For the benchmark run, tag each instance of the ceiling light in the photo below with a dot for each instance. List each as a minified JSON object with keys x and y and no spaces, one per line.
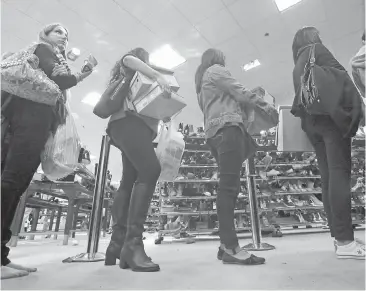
{"x":166,"y":57}
{"x":284,"y":4}
{"x":92,"y":98}
{"x":251,"y":65}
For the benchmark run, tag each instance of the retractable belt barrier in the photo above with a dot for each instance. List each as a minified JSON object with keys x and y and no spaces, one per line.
{"x":257,"y":244}
{"x":92,"y":254}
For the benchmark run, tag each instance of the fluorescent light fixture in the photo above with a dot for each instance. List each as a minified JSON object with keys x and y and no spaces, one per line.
{"x":284,"y":4}
{"x":166,"y":57}
{"x":92,"y":98}
{"x":251,"y":65}
{"x":92,"y":157}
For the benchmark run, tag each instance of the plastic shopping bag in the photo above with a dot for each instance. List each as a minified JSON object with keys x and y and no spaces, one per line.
{"x":60,"y":155}
{"x":169,"y":152}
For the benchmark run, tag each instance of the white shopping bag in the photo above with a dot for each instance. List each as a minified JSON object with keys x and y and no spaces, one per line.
{"x":61,"y":153}
{"x":169,"y":152}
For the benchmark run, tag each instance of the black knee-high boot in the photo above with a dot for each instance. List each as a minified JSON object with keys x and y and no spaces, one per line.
{"x":120,"y":208}
{"x":133,"y":253}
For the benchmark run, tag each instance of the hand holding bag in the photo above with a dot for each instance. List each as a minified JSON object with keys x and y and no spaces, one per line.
{"x":20,"y":76}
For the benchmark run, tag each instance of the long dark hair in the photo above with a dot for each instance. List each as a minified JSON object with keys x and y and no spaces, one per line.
{"x":119,"y":69}
{"x":209,"y":58}
{"x":305,"y":36}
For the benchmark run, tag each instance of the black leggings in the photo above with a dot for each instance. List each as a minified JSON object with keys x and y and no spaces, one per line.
{"x":134,"y":138}
{"x":30,"y":125}
{"x":333,"y":152}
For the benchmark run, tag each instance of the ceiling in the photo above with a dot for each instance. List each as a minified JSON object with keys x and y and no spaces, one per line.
{"x":109,"y":28}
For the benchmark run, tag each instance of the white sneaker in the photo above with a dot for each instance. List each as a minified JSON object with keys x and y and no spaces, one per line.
{"x":354,"y":250}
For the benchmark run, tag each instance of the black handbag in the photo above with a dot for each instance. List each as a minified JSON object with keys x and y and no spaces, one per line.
{"x":314,"y":81}
{"x":113,"y":97}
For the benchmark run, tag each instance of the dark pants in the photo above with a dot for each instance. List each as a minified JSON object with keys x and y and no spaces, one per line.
{"x":230,"y":149}
{"x":334,"y":158}
{"x":140,"y":163}
{"x":30,"y":125}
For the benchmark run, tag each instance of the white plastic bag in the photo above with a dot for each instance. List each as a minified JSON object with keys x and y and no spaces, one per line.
{"x":61,"y":153}
{"x":169,"y":152}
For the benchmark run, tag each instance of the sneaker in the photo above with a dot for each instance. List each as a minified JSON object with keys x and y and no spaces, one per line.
{"x":288,"y":201}
{"x":354,"y":250}
{"x":360,"y":241}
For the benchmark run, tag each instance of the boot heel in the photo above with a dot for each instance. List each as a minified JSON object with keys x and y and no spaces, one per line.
{"x":110,"y":259}
{"x":123,"y":265}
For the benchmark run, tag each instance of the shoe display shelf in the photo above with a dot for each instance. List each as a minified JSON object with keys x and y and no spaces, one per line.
{"x":187,"y":206}
{"x":288,"y":188}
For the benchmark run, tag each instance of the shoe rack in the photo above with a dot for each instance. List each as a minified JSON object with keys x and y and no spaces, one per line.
{"x":288,"y":188}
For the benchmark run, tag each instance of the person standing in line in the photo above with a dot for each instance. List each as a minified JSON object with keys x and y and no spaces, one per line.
{"x":219,"y":96}
{"x":30,"y":125}
{"x":133,"y":134}
{"x":331,"y":140}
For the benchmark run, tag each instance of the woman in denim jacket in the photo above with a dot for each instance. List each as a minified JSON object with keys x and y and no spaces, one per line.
{"x":219,"y":96}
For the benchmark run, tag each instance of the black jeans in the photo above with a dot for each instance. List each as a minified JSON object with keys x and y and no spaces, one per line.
{"x":334,"y":158}
{"x":140,"y":163}
{"x":30,"y":125}
{"x":230,"y":149}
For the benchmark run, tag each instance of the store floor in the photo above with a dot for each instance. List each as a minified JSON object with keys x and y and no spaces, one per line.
{"x":298,"y":262}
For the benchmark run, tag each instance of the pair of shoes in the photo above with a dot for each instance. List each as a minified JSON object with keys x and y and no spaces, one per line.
{"x":133,"y":252}
{"x":354,"y":250}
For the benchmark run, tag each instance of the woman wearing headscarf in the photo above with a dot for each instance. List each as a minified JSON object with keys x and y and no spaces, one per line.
{"x":330,"y":133}
{"x":30,"y":125}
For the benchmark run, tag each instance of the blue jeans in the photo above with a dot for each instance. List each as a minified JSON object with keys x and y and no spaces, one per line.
{"x":333,"y":152}
{"x":231,"y":148}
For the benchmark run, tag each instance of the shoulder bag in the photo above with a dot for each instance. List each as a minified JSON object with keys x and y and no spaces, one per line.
{"x":21,"y":76}
{"x":113,"y":97}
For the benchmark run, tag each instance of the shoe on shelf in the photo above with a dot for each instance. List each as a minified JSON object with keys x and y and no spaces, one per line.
{"x":300,"y":218}
{"x":288,"y":201}
{"x":315,"y":201}
{"x":354,"y":250}
{"x":273,"y":173}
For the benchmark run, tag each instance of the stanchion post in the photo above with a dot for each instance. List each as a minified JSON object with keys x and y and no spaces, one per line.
{"x":257,"y":244}
{"x":92,"y":254}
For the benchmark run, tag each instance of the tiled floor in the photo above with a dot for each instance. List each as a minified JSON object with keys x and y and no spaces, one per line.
{"x":298,"y":262}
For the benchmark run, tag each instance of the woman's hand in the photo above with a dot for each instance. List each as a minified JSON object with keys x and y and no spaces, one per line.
{"x":166,"y":120}
{"x":81,"y":76}
{"x":59,"y":70}
{"x":163,"y":83}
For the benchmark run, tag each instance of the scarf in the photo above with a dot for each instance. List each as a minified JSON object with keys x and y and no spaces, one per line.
{"x":358,"y":70}
{"x":60,"y":108}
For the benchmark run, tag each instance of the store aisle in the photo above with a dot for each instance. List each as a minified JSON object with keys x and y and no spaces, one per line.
{"x":299,"y":262}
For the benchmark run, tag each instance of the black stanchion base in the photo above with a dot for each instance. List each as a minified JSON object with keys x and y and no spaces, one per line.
{"x":258,"y":247}
{"x":85,"y":258}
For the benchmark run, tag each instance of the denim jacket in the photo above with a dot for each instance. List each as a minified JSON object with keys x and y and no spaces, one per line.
{"x":220,"y":99}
